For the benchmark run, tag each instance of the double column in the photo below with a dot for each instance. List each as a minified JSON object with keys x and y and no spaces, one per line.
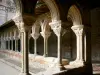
{"x":78,"y":30}
{"x":35,"y":35}
{"x":24,"y":48}
{"x":24,"y":23}
{"x":56,"y":26}
{"x":45,"y":35}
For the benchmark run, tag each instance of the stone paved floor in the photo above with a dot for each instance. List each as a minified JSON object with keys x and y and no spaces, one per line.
{"x":17,"y":65}
{"x":34,"y":69}
{"x":7,"y":70}
{"x":96,"y":68}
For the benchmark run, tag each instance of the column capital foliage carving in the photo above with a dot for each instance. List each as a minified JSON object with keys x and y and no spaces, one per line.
{"x":56,"y":26}
{"x":35,"y":35}
{"x":45,"y":34}
{"x":23,"y":23}
{"x":78,"y":29}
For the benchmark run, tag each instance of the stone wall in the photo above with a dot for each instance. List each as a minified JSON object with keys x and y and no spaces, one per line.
{"x":95,"y":33}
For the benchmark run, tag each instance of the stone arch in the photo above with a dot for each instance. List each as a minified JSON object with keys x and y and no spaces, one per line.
{"x":53,"y":9}
{"x":51,"y":4}
{"x":75,"y":15}
{"x":36,"y":27}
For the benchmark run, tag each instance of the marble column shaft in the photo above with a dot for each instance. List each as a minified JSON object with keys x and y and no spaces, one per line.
{"x":56,"y":26}
{"x":78,"y":30}
{"x":35,"y":35}
{"x":24,"y":48}
{"x":45,"y":35}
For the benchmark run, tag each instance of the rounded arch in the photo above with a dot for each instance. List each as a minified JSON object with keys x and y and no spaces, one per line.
{"x":51,"y":4}
{"x":75,"y":15}
{"x":37,"y":25}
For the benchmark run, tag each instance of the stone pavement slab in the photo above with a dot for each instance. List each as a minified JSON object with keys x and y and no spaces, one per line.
{"x":7,"y":70}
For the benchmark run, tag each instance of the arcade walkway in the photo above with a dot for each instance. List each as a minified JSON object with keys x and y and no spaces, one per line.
{"x":6,"y":69}
{"x":16,"y":65}
{"x":13,"y":67}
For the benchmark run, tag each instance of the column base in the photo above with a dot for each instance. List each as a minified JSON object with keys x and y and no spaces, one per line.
{"x":77,"y":63}
{"x":45,"y":55}
{"x":58,"y":69}
{"x":24,"y":74}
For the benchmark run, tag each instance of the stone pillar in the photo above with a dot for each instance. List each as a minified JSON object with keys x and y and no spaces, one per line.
{"x":35,"y":36}
{"x":24,"y":48}
{"x":45,"y":36}
{"x":15,"y":44}
{"x":8,"y":43}
{"x":56,"y":26}
{"x":12,"y":43}
{"x":78,"y":30}
{"x":24,"y":23}
{"x":2,"y":43}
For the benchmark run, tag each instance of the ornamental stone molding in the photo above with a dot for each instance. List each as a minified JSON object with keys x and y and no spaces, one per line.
{"x":56,"y":26}
{"x":78,"y":29}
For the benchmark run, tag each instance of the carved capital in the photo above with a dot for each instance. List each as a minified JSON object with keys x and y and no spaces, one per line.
{"x":35,"y":35}
{"x":35,"y":28}
{"x":45,"y":34}
{"x":18,"y":19}
{"x":78,"y":29}
{"x":22,"y":26}
{"x":56,"y":26}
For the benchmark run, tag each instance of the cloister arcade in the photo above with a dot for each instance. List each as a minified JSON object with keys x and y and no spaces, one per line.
{"x":51,"y":32}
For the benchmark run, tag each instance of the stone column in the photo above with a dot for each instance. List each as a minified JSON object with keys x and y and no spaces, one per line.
{"x":24,"y":48}
{"x":2,"y":43}
{"x":8,"y":43}
{"x":78,"y":30}
{"x":12,"y":43}
{"x":24,"y":23}
{"x":35,"y":36}
{"x":56,"y":26}
{"x":15,"y":44}
{"x":45,"y":36}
